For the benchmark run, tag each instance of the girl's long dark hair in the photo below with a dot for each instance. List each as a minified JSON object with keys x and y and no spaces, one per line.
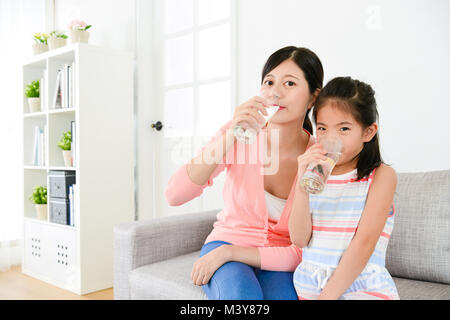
{"x":306,"y":60}
{"x":358,"y":98}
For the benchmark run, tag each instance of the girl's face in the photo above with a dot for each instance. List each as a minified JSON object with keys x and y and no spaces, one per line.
{"x":288,"y":83}
{"x":333,"y":120}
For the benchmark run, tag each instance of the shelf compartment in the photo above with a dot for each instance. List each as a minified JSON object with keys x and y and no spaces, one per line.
{"x":29,"y":133}
{"x":32,"y":178}
{"x":59,"y":122}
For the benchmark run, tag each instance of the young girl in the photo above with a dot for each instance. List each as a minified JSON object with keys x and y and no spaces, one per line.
{"x":344,"y":231}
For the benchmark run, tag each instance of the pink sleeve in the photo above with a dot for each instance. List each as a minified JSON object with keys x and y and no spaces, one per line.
{"x":180,"y":188}
{"x":280,"y":258}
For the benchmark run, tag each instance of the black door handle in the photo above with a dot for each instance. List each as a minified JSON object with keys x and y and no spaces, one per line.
{"x":158,"y":126}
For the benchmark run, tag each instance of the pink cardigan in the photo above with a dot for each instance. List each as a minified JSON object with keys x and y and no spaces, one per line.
{"x":244,"y":220}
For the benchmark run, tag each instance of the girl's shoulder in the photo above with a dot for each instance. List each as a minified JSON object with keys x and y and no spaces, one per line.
{"x":384,"y":176}
{"x":385,"y":172}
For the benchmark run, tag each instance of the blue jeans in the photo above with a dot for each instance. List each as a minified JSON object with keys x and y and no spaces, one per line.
{"x":239,"y":281}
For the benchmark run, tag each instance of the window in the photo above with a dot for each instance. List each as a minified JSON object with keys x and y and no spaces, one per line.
{"x":196,"y":40}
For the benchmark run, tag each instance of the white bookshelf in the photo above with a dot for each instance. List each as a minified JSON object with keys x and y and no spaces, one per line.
{"x":79,"y":258}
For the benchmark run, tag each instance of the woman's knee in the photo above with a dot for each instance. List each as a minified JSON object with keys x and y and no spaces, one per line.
{"x":234,"y":281}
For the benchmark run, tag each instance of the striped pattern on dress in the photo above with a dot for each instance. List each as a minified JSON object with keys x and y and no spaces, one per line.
{"x":336,"y":213}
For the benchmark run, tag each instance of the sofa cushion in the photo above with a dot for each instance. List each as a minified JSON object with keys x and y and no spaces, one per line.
{"x":166,"y":280}
{"x":419,"y":247}
{"x":421,"y":290}
{"x":170,"y":280}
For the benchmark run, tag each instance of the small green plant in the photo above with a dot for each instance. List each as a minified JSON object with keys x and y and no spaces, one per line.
{"x":58,"y":34}
{"x":65,"y":141}
{"x":39,"y":195}
{"x":32,"y":89}
{"x":40,"y":37}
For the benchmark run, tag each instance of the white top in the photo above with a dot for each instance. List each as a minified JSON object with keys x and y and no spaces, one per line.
{"x":275,"y":205}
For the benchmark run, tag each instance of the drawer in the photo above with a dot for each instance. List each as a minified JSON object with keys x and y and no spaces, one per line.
{"x":51,"y":251}
{"x":35,"y":245}
{"x":62,"y":246}
{"x":59,"y":183}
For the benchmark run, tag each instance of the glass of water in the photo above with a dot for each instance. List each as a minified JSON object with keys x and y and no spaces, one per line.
{"x":316,"y":174}
{"x":246,"y":133}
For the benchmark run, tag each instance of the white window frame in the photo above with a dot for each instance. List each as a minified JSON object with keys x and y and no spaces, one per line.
{"x":196,"y":83}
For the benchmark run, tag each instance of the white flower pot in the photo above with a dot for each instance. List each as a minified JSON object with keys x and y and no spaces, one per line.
{"x":67,"y":154}
{"x":55,"y":42}
{"x":41,"y":211}
{"x":39,"y":48}
{"x":34,"y":104}
{"x":79,"y":36}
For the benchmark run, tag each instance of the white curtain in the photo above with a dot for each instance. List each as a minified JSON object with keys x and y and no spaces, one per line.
{"x":19,"y":20}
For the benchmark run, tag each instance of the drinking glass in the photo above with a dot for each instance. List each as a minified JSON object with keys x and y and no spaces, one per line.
{"x":316,"y":174}
{"x":246,"y":133}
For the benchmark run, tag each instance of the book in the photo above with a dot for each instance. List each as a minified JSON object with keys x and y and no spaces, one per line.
{"x":73,"y":144}
{"x":71,"y":205}
{"x":41,"y":147}
{"x":57,"y":101}
{"x":41,"y":93}
{"x":34,"y":160}
{"x":73,"y":85}
{"x":69,"y":86}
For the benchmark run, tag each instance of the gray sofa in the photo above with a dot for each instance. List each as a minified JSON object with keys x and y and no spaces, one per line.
{"x":153,"y":259}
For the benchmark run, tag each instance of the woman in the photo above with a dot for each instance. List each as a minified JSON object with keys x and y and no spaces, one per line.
{"x":249,"y":254}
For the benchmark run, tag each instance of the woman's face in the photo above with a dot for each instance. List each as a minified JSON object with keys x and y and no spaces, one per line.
{"x":288,"y":82}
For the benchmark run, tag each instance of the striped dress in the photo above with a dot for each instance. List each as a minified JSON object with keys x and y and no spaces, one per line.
{"x":336,"y":213}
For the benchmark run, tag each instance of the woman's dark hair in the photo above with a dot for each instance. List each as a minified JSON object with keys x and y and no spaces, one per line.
{"x":358,"y":98}
{"x":305,"y":60}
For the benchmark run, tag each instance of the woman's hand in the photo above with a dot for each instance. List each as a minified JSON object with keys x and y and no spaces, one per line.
{"x":204,"y":268}
{"x":316,"y":153}
{"x":248,"y":112}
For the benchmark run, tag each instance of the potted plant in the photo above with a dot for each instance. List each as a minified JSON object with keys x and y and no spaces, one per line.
{"x":78,"y":31}
{"x":39,"y":198}
{"x":32,"y":93}
{"x":56,"y":40}
{"x":65,"y":144}
{"x":40,"y":44}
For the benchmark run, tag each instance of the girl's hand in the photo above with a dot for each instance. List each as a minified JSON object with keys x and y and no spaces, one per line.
{"x":248,"y":112}
{"x":316,"y":153}
{"x":204,"y":268}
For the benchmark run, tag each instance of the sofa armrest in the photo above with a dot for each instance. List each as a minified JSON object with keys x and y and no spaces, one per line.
{"x":144,"y":242}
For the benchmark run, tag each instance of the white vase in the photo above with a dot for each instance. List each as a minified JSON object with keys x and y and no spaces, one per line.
{"x":67,"y":154}
{"x":79,"y":36}
{"x":55,"y":42}
{"x":41,"y":211}
{"x":39,"y":48}
{"x":34,"y":104}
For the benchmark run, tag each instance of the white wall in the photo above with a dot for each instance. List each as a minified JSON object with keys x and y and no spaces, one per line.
{"x":113,"y":23}
{"x":401,"y":48}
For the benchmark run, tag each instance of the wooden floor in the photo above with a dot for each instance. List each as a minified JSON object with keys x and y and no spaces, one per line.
{"x":14,"y":285}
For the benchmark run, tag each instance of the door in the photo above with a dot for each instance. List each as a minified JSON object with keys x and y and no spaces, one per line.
{"x":185,"y":58}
